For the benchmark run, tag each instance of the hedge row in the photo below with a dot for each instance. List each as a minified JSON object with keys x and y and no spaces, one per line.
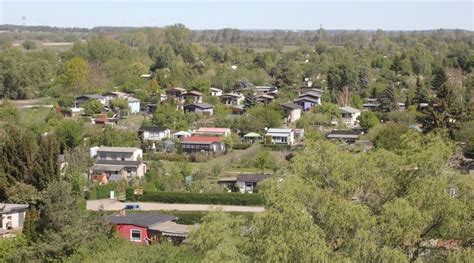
{"x":241,"y":146}
{"x":200,"y":198}
{"x":283,"y":147}
{"x":101,"y":191}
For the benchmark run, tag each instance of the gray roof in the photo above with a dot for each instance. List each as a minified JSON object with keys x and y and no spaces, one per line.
{"x":117,"y":149}
{"x":140,"y":219}
{"x":132,"y":99}
{"x":10,"y":208}
{"x":279,"y":130}
{"x":92,"y":96}
{"x":348,"y":109}
{"x":170,"y":228}
{"x":252,"y":178}
{"x":306,"y":98}
{"x":119,"y":162}
{"x":312,"y":93}
{"x":234,"y":95}
{"x":152,"y":128}
{"x":200,"y":105}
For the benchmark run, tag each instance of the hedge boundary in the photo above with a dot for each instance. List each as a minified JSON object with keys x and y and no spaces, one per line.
{"x":199,"y":198}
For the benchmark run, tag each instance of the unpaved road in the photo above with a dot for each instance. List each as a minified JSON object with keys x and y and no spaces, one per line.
{"x":114,"y":205}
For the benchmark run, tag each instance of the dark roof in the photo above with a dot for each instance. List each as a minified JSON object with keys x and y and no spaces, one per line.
{"x":193,"y":93}
{"x":200,"y":105}
{"x":152,"y":128}
{"x":346,"y":132}
{"x":291,"y":105}
{"x":91,"y":96}
{"x":312,"y":93}
{"x":140,"y":219}
{"x":307,"y":98}
{"x":118,"y":162}
{"x":252,"y":177}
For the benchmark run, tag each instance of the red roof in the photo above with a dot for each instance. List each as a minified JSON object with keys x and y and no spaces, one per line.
{"x":201,"y":139}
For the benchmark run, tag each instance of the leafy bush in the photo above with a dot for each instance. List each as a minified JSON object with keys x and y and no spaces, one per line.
{"x":172,"y":157}
{"x":241,"y":146}
{"x":92,"y":107}
{"x":119,"y":103}
{"x":200,"y":157}
{"x":201,"y":198}
{"x":101,"y":191}
{"x":278,"y":147}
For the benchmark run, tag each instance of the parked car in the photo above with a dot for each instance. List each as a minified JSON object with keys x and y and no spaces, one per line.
{"x":132,"y":207}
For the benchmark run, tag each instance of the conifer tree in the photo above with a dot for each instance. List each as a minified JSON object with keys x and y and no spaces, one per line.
{"x":388,"y":101}
{"x":250,"y":101}
{"x":46,"y":165}
{"x":18,"y":154}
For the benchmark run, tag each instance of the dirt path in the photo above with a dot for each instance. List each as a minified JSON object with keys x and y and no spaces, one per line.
{"x":114,"y":205}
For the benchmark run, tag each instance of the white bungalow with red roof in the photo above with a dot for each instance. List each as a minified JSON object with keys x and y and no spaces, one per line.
{"x":210,"y":131}
{"x":206,"y":144}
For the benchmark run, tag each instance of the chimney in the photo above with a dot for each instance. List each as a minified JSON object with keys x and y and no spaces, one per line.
{"x":122,"y":212}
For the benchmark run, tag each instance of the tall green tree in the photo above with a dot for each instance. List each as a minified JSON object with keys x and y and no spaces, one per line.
{"x":178,"y":36}
{"x":64,"y":225}
{"x":74,"y":76}
{"x":163,"y":56}
{"x":18,"y":155}
{"x":69,"y":134}
{"x":250,"y":100}
{"x":388,"y":102}
{"x":166,"y":115}
{"x":47,"y":161}
{"x":368,"y":120}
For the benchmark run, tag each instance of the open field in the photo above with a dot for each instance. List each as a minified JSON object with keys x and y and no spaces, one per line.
{"x":285,"y":49}
{"x":53,"y":46}
{"x":222,"y":161}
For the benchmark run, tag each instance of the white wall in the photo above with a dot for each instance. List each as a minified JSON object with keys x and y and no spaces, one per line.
{"x":134,"y":106}
{"x":17,"y":219}
{"x":156,"y":136}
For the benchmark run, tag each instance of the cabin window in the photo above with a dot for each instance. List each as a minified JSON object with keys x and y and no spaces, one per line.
{"x":136,"y":235}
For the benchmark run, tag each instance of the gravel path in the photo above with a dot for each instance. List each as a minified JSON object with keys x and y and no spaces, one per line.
{"x":114,"y":205}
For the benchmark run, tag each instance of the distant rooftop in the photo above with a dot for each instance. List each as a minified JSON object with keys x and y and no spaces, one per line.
{"x":202,"y":139}
{"x":349,"y":109}
{"x":140,"y":219}
{"x":117,"y":149}
{"x":9,"y":208}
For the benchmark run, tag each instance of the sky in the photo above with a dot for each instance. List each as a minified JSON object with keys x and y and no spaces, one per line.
{"x":245,"y":14}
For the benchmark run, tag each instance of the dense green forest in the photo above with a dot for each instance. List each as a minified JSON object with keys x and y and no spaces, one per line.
{"x":325,"y":203}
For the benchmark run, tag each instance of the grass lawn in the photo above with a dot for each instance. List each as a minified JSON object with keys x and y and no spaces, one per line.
{"x":33,"y":116}
{"x":30,"y":116}
{"x":134,"y":121}
{"x":223,"y":163}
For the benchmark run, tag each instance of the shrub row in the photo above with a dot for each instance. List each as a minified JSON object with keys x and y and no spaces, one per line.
{"x":283,"y":147}
{"x":172,"y":157}
{"x":200,"y":198}
{"x":100,"y":191}
{"x":241,"y":146}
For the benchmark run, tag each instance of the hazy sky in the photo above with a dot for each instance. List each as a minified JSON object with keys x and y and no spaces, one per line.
{"x":260,"y":14}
